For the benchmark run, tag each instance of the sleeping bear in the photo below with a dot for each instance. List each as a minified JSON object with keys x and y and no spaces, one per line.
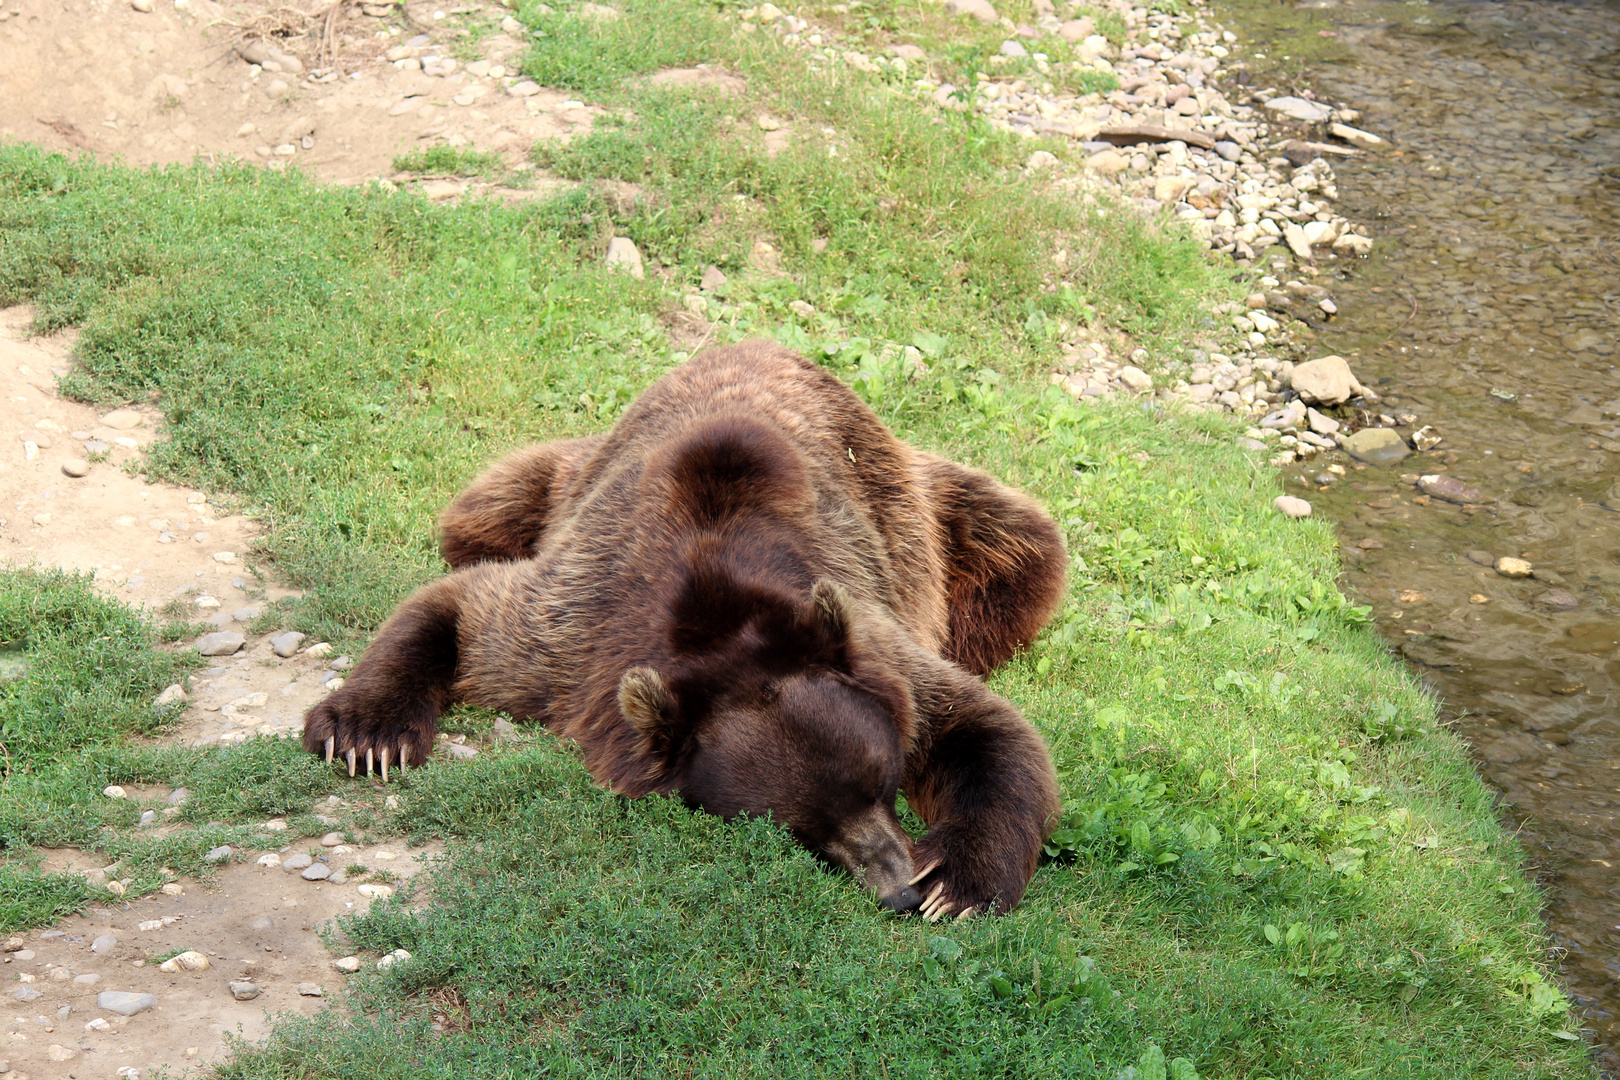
{"x":749,"y":593}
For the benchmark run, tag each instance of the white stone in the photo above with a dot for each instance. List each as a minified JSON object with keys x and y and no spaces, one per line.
{"x":623,"y":254}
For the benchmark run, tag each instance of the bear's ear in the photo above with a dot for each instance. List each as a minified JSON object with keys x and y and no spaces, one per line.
{"x":835,"y":612}
{"x":647,"y":704}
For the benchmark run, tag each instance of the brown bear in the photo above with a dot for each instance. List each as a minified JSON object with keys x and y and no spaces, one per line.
{"x":751,"y":593}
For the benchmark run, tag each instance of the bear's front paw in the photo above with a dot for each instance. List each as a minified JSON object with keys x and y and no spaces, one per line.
{"x":360,"y":729}
{"x":959,"y":880}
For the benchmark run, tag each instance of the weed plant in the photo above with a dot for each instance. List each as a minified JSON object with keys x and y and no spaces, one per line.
{"x":1272,"y":863}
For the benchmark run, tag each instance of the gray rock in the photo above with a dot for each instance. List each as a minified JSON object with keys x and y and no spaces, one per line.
{"x":341,"y":663}
{"x":223,"y":643}
{"x":148,"y":817}
{"x":623,"y":254}
{"x":505,"y":730}
{"x":460,"y":752}
{"x":75,"y":467}
{"x":1230,"y":151}
{"x":286,"y":644}
{"x":1376,"y":446}
{"x":244,"y":991}
{"x":1482,"y":558}
{"x":310,"y":990}
{"x":1322,"y":425}
{"x":27,"y":993}
{"x":89,"y":978}
{"x":172,"y":694}
{"x":1295,"y":108}
{"x":713,"y":278}
{"x":96,"y":446}
{"x":297,"y":862}
{"x":1013,"y":49}
{"x":104,"y":943}
{"x":178,"y":796}
{"x":123,"y":1002}
{"x":339,"y":877}
{"x":1136,"y":378}
{"x":246,"y":614}
{"x":332,"y":839}
{"x":316,"y":872}
{"x":1558,"y":600}
{"x":220,"y":854}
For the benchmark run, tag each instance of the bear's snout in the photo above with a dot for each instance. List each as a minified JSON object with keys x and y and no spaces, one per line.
{"x":905,"y":901}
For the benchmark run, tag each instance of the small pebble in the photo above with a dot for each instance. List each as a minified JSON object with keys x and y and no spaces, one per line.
{"x":316,"y":872}
{"x":244,"y":991}
{"x":104,"y":943}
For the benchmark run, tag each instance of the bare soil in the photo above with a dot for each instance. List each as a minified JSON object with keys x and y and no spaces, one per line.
{"x":172,"y":85}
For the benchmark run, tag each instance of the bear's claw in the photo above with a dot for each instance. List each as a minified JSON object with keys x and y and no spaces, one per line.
{"x":918,"y":876}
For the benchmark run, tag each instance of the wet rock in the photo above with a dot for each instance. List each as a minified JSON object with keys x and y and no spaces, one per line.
{"x":1370,"y":544}
{"x":244,"y":991}
{"x":1309,"y":112}
{"x":1292,"y":506}
{"x":1558,"y":600}
{"x":1426,"y":438}
{"x":1510,"y":567}
{"x":1362,"y":140}
{"x":221,"y":643}
{"x":123,"y":1002}
{"x":1325,"y":381}
{"x":1450,"y":489}
{"x":1483,"y":558}
{"x":1376,"y":446}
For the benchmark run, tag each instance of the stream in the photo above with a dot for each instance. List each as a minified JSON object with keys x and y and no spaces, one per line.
{"x":1490,"y":309}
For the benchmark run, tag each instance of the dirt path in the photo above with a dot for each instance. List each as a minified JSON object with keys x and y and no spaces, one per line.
{"x":159,"y":546}
{"x":337,"y":96}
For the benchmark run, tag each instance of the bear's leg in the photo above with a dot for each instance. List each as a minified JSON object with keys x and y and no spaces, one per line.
{"x":502,"y":514}
{"x":981,"y":777}
{"x":388,"y":710}
{"x":1005,"y":565}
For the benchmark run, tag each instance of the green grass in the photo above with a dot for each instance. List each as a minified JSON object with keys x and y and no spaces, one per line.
{"x":1272,"y":862}
{"x":450,"y":161}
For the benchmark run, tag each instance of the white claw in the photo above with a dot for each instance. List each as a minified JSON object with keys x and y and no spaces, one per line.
{"x":919,"y":875}
{"x":385,"y":764}
{"x":368,"y":761}
{"x":351,"y":761}
{"x":331,"y":742}
{"x":404,"y":758}
{"x":964,"y":913}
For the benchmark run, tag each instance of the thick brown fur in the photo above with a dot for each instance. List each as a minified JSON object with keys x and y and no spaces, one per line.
{"x":751,"y":592}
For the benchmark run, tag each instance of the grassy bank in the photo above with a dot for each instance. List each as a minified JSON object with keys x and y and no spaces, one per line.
{"x":1272,"y":864}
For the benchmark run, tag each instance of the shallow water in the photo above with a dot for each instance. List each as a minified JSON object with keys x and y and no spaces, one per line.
{"x":1491,"y":310}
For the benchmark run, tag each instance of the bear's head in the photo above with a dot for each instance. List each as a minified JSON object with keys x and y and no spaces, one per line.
{"x":768,"y":707}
